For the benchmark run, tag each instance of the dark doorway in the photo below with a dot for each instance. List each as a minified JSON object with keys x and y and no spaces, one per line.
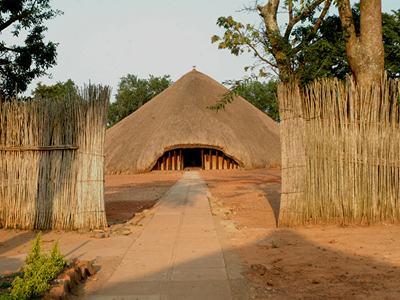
{"x":192,"y":158}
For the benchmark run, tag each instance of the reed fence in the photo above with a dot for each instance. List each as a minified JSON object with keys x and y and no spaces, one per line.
{"x":52,"y":161}
{"x":341,"y":153}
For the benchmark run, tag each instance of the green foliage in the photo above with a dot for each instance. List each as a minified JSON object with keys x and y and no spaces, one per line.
{"x":59,"y":91}
{"x":20,"y":63}
{"x":227,"y":98}
{"x":326,"y":57}
{"x":132,"y":93}
{"x":239,"y":38}
{"x":391,"y":42}
{"x":5,"y":285}
{"x":260,"y":94}
{"x":41,"y":267}
{"x":305,"y":51}
{"x":274,"y":51}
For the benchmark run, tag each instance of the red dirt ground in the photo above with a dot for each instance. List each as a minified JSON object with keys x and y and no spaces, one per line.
{"x":320,"y":262}
{"x":130,"y":194}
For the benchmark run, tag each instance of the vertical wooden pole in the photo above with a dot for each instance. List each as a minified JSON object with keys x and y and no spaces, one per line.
{"x":211,"y":164}
{"x":202,"y":159}
{"x":181,"y":158}
{"x":178,"y":161}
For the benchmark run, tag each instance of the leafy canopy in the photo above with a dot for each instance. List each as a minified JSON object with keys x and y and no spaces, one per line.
{"x":326,"y":57}
{"x":60,"y":90}
{"x":309,"y":46}
{"x":21,"y":62}
{"x":275,"y":47}
{"x":134,"y":92}
{"x":260,"y":94}
{"x":391,"y":42}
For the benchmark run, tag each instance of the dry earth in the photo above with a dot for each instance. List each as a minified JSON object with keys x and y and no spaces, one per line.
{"x":129,"y":194}
{"x":322,"y":262}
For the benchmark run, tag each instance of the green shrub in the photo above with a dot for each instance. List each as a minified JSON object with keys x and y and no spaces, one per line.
{"x":41,"y":267}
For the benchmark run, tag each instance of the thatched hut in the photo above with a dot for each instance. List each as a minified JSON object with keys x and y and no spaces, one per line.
{"x":175,"y":130}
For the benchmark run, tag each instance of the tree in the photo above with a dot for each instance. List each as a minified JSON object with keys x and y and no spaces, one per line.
{"x":327,"y":57}
{"x":60,"y":90}
{"x":132,"y":93}
{"x":20,"y":64}
{"x":260,"y":94}
{"x":294,"y":53}
{"x":365,"y":52}
{"x":280,"y":51}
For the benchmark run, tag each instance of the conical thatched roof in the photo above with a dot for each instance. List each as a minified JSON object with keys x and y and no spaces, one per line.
{"x":178,"y":118}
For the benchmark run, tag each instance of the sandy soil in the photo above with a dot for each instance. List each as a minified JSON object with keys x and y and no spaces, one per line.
{"x":322,"y":262}
{"x":130,"y":194}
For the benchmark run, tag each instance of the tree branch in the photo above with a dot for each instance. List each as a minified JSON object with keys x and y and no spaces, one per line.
{"x":290,"y":10}
{"x":346,"y":18}
{"x":17,"y":50}
{"x":256,"y":51}
{"x":316,"y":26}
{"x":269,"y":12}
{"x":19,"y":17}
{"x":300,"y":17}
{"x":13,"y":19}
{"x":261,"y":57}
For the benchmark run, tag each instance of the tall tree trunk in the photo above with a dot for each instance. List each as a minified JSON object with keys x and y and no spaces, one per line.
{"x":269,"y":14}
{"x":365,"y":53}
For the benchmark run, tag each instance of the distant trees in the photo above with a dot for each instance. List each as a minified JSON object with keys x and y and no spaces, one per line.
{"x":134,"y":92}
{"x":260,"y":94}
{"x":391,"y":42}
{"x":60,"y":90}
{"x":21,"y":62}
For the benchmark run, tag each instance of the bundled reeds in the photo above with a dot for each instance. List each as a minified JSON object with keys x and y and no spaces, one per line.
{"x":52,"y":161}
{"x":292,"y":125}
{"x":352,"y":154}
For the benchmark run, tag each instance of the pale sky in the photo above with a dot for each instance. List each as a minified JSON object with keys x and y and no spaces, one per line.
{"x":104,"y":40}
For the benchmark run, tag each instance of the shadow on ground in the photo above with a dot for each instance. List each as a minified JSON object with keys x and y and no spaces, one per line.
{"x":296,"y":269}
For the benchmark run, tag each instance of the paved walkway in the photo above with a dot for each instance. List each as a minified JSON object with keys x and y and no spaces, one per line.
{"x":177,"y":256}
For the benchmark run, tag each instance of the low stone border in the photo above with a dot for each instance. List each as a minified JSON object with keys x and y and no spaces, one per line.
{"x":77,"y":271}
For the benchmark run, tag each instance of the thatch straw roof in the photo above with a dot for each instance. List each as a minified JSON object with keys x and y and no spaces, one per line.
{"x":178,"y":118}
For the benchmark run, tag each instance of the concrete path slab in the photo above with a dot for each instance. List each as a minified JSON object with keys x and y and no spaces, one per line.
{"x":178,"y":254}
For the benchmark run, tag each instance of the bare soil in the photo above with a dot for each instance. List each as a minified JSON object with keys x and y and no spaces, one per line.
{"x":127,"y":195}
{"x":319,"y":262}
